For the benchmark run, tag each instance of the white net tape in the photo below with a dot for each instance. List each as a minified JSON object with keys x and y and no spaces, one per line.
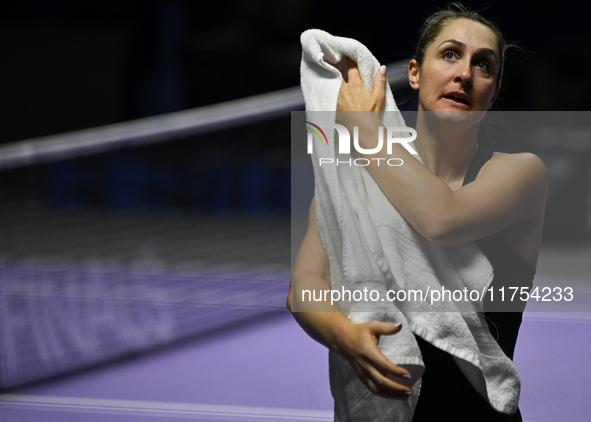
{"x":165,"y":127}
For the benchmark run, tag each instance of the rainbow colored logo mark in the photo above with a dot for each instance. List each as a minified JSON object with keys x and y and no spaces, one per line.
{"x":316,"y":133}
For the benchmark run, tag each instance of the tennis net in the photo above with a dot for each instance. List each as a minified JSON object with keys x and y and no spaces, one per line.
{"x":120,"y":239}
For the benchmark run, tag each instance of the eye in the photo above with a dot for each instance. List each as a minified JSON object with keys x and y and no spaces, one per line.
{"x":449,"y":55}
{"x":483,"y":64}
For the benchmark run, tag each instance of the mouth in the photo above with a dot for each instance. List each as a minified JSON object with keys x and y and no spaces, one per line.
{"x":457,"y":98}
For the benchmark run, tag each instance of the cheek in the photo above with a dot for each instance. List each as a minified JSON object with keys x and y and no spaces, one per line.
{"x":489,"y":91}
{"x":439,"y":78}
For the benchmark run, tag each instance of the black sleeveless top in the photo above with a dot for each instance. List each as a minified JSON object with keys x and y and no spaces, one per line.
{"x":503,"y":317}
{"x":446,"y":394}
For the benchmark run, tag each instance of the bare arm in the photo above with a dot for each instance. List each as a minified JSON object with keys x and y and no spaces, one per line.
{"x":330,"y":327}
{"x":510,"y":188}
{"x":311,"y":272}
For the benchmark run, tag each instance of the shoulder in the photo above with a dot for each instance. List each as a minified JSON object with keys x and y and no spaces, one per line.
{"x":523,"y":165}
{"x":521,"y":175}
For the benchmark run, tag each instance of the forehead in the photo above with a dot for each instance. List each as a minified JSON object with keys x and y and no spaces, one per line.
{"x":473,"y":34}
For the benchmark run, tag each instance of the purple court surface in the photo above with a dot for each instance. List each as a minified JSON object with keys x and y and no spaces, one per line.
{"x":261,"y":369}
{"x":271,"y":371}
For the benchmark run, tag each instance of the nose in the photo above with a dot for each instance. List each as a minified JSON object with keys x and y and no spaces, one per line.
{"x":463,"y":72}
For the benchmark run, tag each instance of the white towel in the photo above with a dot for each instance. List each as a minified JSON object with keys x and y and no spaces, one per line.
{"x":369,"y":244}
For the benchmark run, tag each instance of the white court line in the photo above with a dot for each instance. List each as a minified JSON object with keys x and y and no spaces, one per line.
{"x":151,"y":408}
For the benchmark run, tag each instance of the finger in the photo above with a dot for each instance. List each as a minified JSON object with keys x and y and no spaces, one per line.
{"x":385,"y":385}
{"x":380,"y":328}
{"x":375,"y":354}
{"x":379,"y":82}
{"x":371,"y":385}
{"x":379,"y":384}
{"x":365,"y":377}
{"x":352,"y":71}
{"x":385,"y":366}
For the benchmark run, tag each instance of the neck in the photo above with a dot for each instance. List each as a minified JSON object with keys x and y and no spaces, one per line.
{"x":446,"y":148}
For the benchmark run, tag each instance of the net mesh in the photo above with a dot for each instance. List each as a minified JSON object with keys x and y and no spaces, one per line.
{"x":119,"y":239}
{"x":116,"y":253}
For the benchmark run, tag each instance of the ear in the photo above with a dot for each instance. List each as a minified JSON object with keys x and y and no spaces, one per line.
{"x":413,"y":74}
{"x":494,"y":97}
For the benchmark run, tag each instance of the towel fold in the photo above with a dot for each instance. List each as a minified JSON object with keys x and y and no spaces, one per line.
{"x":370,"y":245}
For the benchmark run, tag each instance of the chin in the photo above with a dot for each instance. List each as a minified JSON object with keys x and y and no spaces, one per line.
{"x":455,"y":116}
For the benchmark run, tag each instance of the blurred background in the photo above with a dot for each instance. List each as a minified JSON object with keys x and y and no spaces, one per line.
{"x":70,"y":65}
{"x":161,"y":247}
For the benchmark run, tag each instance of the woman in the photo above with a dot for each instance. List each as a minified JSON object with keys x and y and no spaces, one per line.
{"x":462,"y":193}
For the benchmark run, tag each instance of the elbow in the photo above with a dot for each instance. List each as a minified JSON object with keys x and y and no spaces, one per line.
{"x":440,"y":233}
{"x":438,"y":224}
{"x":442,"y":240}
{"x":288,"y":301}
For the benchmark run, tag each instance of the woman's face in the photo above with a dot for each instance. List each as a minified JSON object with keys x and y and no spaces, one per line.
{"x":459,"y":70}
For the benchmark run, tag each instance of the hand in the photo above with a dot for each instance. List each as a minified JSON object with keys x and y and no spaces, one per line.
{"x":353,"y":95}
{"x":354,"y":99}
{"x":359,"y":345}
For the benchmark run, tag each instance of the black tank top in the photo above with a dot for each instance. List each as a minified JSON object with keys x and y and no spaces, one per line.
{"x":446,"y":394}
{"x":510,"y":272}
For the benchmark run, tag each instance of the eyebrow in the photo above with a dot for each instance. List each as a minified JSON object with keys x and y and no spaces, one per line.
{"x":461,"y":44}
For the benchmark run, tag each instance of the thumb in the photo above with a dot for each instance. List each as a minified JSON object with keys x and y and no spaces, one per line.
{"x":379,"y":89}
{"x":385,"y":328}
{"x":379,"y":82}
